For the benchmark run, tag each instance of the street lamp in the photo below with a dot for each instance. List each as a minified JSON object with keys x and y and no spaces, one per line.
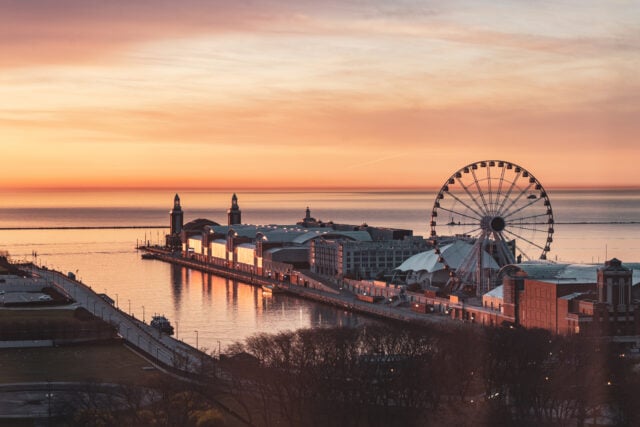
{"x":196,"y":339}
{"x":143,"y":314}
{"x":177,"y":331}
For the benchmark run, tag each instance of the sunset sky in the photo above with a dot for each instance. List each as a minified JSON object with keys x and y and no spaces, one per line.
{"x":316,"y":94}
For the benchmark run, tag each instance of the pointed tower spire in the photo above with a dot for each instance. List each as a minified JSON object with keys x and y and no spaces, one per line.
{"x":176,"y":216}
{"x":234,"y":215}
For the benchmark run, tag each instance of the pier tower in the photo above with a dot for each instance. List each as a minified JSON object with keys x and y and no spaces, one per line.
{"x":176,"y":216}
{"x":234,"y":214}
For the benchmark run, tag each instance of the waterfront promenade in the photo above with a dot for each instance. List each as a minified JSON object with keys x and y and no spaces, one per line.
{"x":323,"y":292}
{"x":159,"y":348}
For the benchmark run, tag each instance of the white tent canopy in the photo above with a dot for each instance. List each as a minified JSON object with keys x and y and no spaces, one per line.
{"x":453,"y":254}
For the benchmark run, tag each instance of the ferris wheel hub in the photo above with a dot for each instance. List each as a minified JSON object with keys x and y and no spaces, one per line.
{"x":492,"y":223}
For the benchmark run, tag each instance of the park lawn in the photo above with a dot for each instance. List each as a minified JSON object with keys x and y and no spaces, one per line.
{"x":109,"y":362}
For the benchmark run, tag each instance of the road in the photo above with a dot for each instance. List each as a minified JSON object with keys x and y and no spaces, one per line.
{"x":158,"y":346}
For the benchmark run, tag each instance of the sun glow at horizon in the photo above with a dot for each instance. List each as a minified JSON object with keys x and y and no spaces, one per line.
{"x":297,"y":95}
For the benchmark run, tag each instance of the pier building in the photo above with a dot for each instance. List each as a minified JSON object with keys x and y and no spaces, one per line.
{"x":335,"y":250}
{"x":569,"y":299}
{"x":362,"y":259}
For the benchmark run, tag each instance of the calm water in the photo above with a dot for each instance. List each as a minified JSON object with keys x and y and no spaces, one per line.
{"x":223,"y":311}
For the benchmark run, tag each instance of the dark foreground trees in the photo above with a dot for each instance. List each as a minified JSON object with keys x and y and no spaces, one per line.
{"x":385,"y":376}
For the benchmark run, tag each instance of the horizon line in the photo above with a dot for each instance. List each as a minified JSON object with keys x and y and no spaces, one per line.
{"x":284,"y":188}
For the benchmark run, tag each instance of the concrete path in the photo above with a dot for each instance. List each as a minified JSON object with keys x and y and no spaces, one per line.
{"x":157,"y":346}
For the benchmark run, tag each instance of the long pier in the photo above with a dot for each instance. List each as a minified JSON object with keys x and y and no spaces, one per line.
{"x":340,"y":298}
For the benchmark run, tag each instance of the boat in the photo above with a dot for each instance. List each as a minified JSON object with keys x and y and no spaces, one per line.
{"x":532,"y":196}
{"x":162,"y":324}
{"x":149,"y":255}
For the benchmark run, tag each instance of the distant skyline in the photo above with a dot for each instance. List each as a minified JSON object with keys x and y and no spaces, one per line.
{"x":302,"y":94}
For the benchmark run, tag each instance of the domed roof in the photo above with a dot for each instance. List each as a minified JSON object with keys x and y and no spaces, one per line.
{"x":199,"y":224}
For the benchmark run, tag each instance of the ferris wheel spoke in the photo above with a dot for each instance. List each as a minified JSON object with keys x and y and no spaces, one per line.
{"x":463,"y":203}
{"x":469,"y":232}
{"x":507,"y":214}
{"x":511,"y":187}
{"x":460,"y":213}
{"x":484,"y":202}
{"x":515,"y":200}
{"x":489,"y":188}
{"x":466,"y":189}
{"x":504,"y":168}
{"x":539,"y":230}
{"x":513,"y":220}
{"x":517,"y":236}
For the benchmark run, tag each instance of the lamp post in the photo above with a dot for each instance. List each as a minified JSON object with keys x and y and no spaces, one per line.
{"x":177,"y":331}
{"x":196,"y":339}
{"x":143,"y":314}
{"x":129,"y":307}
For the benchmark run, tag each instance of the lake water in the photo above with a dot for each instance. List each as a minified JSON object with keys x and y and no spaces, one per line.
{"x":604,"y":225}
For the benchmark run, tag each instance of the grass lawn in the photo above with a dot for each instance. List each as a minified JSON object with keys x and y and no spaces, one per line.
{"x":104,"y":362}
{"x":18,"y":315}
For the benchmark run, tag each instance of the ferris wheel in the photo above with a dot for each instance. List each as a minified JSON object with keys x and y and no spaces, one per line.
{"x":501,"y":210}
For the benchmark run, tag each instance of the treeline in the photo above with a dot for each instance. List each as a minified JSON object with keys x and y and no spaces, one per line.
{"x":386,"y":376}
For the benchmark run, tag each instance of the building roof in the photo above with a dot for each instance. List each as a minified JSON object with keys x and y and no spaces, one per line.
{"x":199,"y":224}
{"x":360,"y":236}
{"x":454,"y":254}
{"x":565,"y":273}
{"x":573,"y":295}
{"x":282,"y":235}
{"x":288,"y":249}
{"x":497,"y":292}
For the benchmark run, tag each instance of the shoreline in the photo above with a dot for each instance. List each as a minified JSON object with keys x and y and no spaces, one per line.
{"x":339,"y":298}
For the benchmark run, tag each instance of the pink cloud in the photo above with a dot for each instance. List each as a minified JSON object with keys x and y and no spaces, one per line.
{"x":60,"y":31}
